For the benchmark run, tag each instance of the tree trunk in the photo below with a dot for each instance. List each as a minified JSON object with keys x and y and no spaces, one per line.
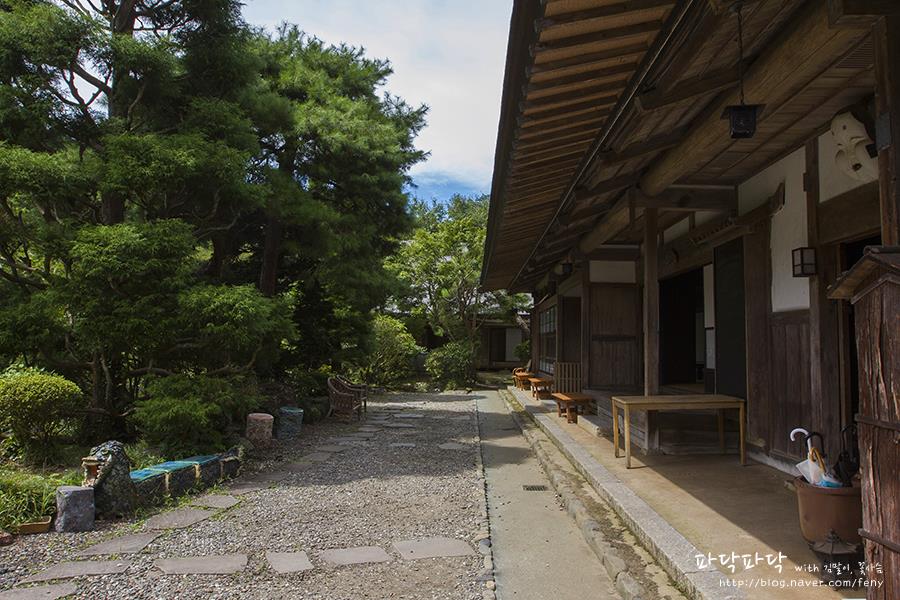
{"x":268,"y":277}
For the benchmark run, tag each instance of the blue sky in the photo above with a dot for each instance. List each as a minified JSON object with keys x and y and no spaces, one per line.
{"x":448,"y":54}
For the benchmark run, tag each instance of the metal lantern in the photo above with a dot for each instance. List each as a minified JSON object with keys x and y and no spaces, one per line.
{"x":742,"y":119}
{"x":804,"y":261}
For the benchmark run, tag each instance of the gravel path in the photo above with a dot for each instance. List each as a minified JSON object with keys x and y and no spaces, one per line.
{"x":397,"y":485}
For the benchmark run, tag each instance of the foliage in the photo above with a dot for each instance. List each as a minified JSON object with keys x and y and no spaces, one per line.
{"x":186,"y":415}
{"x":452,"y":365}
{"x":523,"y":351}
{"x":29,"y":497}
{"x":392,"y":352}
{"x":35,"y":407}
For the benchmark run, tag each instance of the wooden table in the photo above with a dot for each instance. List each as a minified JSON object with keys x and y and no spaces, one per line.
{"x":675,"y":402}
{"x":521,"y":378}
{"x":572,"y":402}
{"x":540,"y":387}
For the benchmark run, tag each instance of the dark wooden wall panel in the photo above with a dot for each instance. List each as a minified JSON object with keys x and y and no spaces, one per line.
{"x":790,"y":392}
{"x":570,"y":330}
{"x":615,"y":336}
{"x":757,"y":290}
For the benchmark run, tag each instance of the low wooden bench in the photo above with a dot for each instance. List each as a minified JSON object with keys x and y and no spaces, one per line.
{"x":719,"y":402}
{"x":570,"y":403}
{"x":540,"y":387}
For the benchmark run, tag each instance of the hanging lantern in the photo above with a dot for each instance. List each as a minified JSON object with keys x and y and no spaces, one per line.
{"x":741,"y":117}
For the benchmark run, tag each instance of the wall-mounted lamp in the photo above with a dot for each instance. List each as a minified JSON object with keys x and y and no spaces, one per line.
{"x":804,"y":261}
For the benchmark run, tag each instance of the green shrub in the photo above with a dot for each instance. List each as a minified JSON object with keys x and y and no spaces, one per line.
{"x":523,"y":351}
{"x":392,"y":353}
{"x":186,"y":415}
{"x":36,"y":407}
{"x":452,"y":365}
{"x":25,"y":497}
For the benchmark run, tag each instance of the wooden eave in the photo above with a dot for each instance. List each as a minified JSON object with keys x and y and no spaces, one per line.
{"x":686,"y":85}
{"x":568,"y":62}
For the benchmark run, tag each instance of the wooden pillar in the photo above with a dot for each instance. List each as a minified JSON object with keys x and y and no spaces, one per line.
{"x":824,"y":349}
{"x":887,"y":124}
{"x":586,"y":323}
{"x":651,"y":304}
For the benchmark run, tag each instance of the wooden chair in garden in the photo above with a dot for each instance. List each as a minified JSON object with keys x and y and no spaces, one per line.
{"x":361,"y":390}
{"x":567,"y":385}
{"x":344,"y":402}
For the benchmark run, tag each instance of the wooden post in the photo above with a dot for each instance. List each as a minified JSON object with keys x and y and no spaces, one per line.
{"x":823,"y":319}
{"x":651,"y":304}
{"x":887,"y":124}
{"x":586,"y":324}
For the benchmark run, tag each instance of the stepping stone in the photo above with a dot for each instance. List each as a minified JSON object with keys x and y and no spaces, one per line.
{"x":432,"y":548}
{"x":126,"y":544}
{"x":239,"y":489}
{"x":343,"y":440}
{"x":178,"y":519}
{"x":79,"y":568}
{"x":400,"y":425}
{"x":330,"y":448}
{"x":222,"y":564}
{"x":40,"y":592}
{"x":317,"y":456}
{"x":354,"y":556}
{"x":461,"y":418}
{"x":298,"y":466}
{"x":266,"y":476}
{"x":409,"y":416}
{"x":367,"y":429}
{"x":288,"y":562}
{"x":216,"y":501}
{"x":362,"y":435}
{"x":402,"y":445}
{"x":452,"y":446}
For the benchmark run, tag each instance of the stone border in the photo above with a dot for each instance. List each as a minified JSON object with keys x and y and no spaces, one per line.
{"x":483,"y":538}
{"x":666,"y":545}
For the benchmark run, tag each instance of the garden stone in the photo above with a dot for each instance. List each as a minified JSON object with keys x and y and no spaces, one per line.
{"x":202,"y":565}
{"x":126,"y":544}
{"x":288,"y":562}
{"x":354,"y":556}
{"x":6,"y":538}
{"x":317,"y":456}
{"x":74,"y":508}
{"x":79,"y":568}
{"x":400,"y":425}
{"x":432,"y":547}
{"x":401,"y":445}
{"x":239,"y":489}
{"x":178,"y":519}
{"x":259,"y":429}
{"x":114,"y":491}
{"x":408,"y":416}
{"x":330,"y":448}
{"x":290,"y":421}
{"x":40,"y":592}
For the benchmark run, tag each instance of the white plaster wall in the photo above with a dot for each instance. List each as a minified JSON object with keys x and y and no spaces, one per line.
{"x":832,"y":180}
{"x":788,"y":225}
{"x":613,"y":271}
{"x":513,"y":339}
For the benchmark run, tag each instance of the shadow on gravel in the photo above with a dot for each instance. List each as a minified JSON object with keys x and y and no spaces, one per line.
{"x":376,"y":459}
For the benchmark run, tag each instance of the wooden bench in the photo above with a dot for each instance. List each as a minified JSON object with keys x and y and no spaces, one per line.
{"x":570,"y":403}
{"x":675,"y":402}
{"x":521,"y":376}
{"x":540,"y":387}
{"x":345,"y":402}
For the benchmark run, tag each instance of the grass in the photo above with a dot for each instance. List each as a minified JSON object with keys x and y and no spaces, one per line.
{"x":26,"y":497}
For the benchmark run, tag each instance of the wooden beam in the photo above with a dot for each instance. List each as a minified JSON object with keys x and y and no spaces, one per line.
{"x":543,"y":132}
{"x":615,"y":221}
{"x":799,"y":53}
{"x":639,"y":31}
{"x":569,"y":109}
{"x":860,"y":13}
{"x":604,"y":12}
{"x":599,"y":94}
{"x":631,"y":51}
{"x":855,"y":213}
{"x":521,"y":157}
{"x":565,"y":116}
{"x":614,"y":253}
{"x":638,"y":149}
{"x":549,"y":158}
{"x":690,"y":199}
{"x":554,"y":143}
{"x":606,"y":186}
{"x":543,"y":170}
{"x":887,"y":125}
{"x":603,"y":75}
{"x":651,"y":304}
{"x":687,"y":90}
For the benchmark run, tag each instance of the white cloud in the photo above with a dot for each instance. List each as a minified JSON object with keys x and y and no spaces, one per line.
{"x":448,"y":54}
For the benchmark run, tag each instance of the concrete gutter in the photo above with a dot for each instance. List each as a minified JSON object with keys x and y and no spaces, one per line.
{"x":674,"y":553}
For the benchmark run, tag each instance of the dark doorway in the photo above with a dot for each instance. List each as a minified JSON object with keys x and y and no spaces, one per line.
{"x":681,"y":341}
{"x":498,"y":345}
{"x":731,"y":351}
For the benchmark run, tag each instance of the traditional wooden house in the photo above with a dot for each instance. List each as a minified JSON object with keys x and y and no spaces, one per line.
{"x":682,"y":186}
